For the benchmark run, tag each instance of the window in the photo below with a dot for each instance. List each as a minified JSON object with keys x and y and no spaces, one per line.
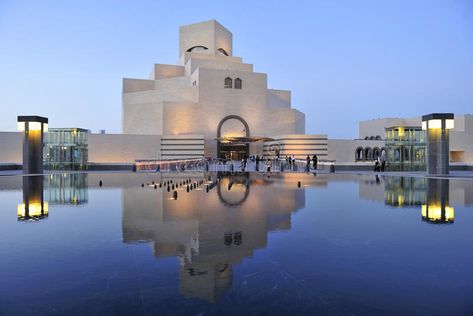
{"x":197,"y":49}
{"x":237,"y":83}
{"x":221,"y":51}
{"x":228,"y":83}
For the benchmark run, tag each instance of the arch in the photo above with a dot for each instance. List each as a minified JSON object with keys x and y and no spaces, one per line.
{"x":367,"y":137}
{"x":197,"y":48}
{"x":222,"y":51}
{"x":359,"y":154}
{"x":238,"y":83}
{"x":228,"y":83}
{"x":219,"y":131}
{"x":378,"y":137}
{"x":371,"y":137}
{"x":376,"y":153}
{"x":243,"y":179}
{"x":368,"y":153}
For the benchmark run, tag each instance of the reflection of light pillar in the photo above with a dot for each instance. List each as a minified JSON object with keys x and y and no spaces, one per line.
{"x":437,"y":209}
{"x":33,"y":206}
{"x":33,"y":128}
{"x":437,"y":126}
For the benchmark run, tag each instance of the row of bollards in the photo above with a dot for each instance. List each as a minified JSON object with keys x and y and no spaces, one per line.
{"x":188,"y":184}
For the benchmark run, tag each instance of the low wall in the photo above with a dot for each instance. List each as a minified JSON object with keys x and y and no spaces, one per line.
{"x":122,"y":148}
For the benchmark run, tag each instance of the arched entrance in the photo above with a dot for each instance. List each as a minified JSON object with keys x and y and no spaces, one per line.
{"x":229,"y":130}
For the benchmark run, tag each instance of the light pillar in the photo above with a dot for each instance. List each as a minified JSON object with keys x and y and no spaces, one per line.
{"x":33,"y":128}
{"x":437,"y":209}
{"x":437,"y":126}
{"x":33,"y":207}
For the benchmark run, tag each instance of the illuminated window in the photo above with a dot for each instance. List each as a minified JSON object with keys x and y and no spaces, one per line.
{"x":237,"y":83}
{"x":228,"y":83}
{"x":435,"y":123}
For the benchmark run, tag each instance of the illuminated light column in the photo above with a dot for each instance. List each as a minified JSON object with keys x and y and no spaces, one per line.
{"x":33,"y":207}
{"x":33,"y":128}
{"x":437,"y":126}
{"x":437,"y":209}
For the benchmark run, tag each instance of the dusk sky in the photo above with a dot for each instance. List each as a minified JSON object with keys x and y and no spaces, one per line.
{"x":344,"y":61}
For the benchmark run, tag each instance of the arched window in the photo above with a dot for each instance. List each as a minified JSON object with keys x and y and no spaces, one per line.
{"x":359,"y":154}
{"x":371,"y":137}
{"x":197,"y":49}
{"x":368,"y":153}
{"x":228,"y":83}
{"x":376,"y":153}
{"x":367,"y":137}
{"x":378,"y":137}
{"x":237,"y":83}
{"x":222,"y":51}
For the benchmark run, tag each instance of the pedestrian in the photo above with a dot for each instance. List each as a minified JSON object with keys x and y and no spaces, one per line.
{"x":268,"y":165}
{"x":383,"y":160}
{"x":377,"y":165}
{"x":314,"y":162}
{"x":307,"y":167}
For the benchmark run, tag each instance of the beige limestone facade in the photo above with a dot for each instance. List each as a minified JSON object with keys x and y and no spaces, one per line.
{"x":209,"y":92}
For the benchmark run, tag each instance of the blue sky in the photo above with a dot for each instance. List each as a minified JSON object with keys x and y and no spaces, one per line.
{"x":344,"y":61}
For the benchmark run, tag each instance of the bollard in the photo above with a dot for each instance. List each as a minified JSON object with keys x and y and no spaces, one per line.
{"x":155,"y":186}
{"x":169,"y":188}
{"x":332,"y":168}
{"x":142,"y":185}
{"x":187,"y":188}
{"x":298,"y":184}
{"x":172,"y":187}
{"x":100,"y":183}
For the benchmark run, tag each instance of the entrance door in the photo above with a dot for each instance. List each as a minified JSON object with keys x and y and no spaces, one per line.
{"x":233,"y":151}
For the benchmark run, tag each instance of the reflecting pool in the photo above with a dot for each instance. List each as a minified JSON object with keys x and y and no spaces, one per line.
{"x":220,"y":244}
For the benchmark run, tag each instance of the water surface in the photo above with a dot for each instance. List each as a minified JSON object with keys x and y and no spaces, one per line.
{"x":252,"y":244}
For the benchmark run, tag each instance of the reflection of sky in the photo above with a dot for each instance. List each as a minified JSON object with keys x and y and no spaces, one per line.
{"x":342,"y":254}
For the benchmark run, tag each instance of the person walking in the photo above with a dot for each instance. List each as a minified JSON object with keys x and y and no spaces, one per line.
{"x":314,"y":162}
{"x":268,"y":165}
{"x":383,"y":160}
{"x":307,"y":167}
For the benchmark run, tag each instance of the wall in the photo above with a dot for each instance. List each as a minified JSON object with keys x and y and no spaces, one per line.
{"x":343,"y":150}
{"x":11,"y":147}
{"x":122,"y":148}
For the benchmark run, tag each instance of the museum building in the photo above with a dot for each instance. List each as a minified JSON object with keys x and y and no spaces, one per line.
{"x":214,"y":99}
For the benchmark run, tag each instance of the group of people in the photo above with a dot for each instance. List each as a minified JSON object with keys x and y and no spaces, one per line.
{"x":256,"y":159}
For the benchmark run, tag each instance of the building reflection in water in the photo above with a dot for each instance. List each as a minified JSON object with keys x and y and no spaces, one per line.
{"x":437,"y":209}
{"x":430,"y":195}
{"x":33,"y":207}
{"x":55,"y":189}
{"x":209,"y":232}
{"x":66,"y":188}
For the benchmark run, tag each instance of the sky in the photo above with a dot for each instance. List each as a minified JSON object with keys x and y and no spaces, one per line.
{"x":344,"y":61}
